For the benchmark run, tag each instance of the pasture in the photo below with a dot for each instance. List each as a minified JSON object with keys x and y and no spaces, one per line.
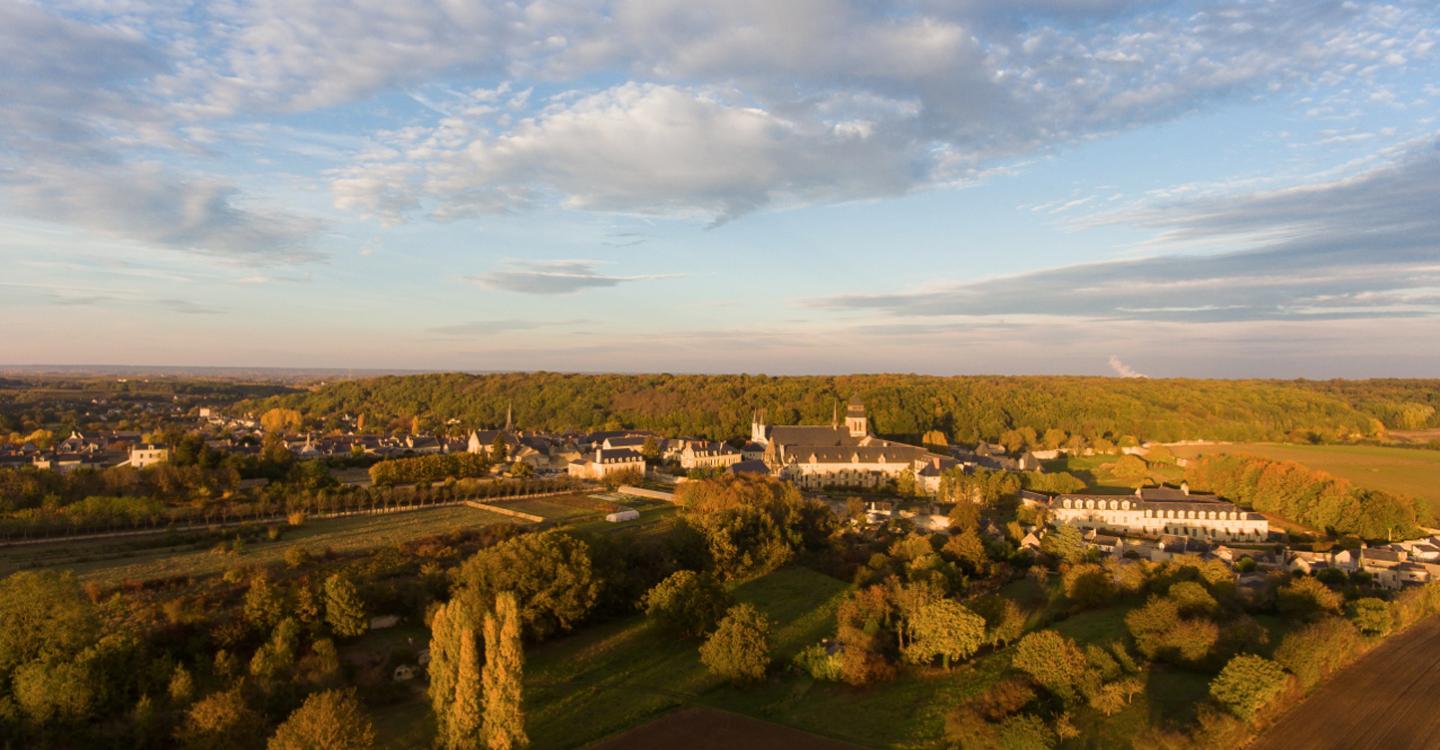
{"x":111,"y":561}
{"x":1402,"y":471}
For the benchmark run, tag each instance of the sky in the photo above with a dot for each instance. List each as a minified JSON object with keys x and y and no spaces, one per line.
{"x":1190,"y":189}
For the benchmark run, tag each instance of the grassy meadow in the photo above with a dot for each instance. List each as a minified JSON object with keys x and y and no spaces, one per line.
{"x":1403,"y":471}
{"x":141,"y":558}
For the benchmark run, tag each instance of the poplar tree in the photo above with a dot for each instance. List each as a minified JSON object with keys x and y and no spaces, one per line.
{"x":504,"y":664}
{"x":465,"y":717}
{"x":445,"y":630}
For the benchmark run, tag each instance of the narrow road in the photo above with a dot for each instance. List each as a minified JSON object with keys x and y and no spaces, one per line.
{"x":1384,"y":701}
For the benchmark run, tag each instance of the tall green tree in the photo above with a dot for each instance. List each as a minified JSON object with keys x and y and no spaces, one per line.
{"x":687,"y":602}
{"x":504,"y":727}
{"x":549,"y":573}
{"x":344,"y":610}
{"x":466,"y":717}
{"x":46,"y":616}
{"x":448,"y":627}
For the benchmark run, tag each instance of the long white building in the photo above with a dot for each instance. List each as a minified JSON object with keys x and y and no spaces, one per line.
{"x":1157,"y":511}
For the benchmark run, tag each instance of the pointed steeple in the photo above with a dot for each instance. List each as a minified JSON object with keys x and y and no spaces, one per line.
{"x":835,"y":415}
{"x":508,"y":408}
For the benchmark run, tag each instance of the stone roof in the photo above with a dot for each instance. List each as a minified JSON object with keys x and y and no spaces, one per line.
{"x":617,"y":455}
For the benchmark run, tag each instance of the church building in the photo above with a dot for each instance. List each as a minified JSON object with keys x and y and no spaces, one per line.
{"x":840,"y":455}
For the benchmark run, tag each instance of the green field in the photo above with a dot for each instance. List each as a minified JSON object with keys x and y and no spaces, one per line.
{"x":1089,"y":469}
{"x":1403,"y":471}
{"x":145,"y":558}
{"x":617,"y":675}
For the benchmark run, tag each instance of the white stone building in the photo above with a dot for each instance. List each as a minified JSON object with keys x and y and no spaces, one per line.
{"x":702,"y":454}
{"x":1157,"y":511}
{"x":604,"y":462}
{"x":148,"y":455}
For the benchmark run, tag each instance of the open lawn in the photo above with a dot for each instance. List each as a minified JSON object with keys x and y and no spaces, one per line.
{"x":1091,"y":471}
{"x":110,"y":561}
{"x":558,"y":509}
{"x":1404,"y":471}
{"x":709,"y":729}
{"x":613,"y":676}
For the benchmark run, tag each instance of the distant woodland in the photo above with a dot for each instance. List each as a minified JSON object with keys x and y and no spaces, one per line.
{"x":963,"y":409}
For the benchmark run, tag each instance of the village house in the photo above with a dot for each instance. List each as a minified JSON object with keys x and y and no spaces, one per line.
{"x":704,"y":454}
{"x":148,"y":455}
{"x":605,"y":462}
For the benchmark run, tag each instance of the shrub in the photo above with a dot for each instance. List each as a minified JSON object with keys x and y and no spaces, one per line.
{"x":1087,"y":585}
{"x":1306,"y":598}
{"x":817,"y":661}
{"x":1316,"y":650}
{"x":943,"y":628}
{"x":1372,"y":616}
{"x":1053,"y":661}
{"x":739,"y":649}
{"x":1248,"y":684}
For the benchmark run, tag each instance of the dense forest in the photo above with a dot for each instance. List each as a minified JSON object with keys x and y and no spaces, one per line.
{"x":965,"y":409}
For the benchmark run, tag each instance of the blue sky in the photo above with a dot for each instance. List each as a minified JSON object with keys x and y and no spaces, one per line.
{"x":1197,"y":189}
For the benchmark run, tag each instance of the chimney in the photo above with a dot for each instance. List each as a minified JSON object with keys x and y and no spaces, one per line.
{"x":1185,"y":487}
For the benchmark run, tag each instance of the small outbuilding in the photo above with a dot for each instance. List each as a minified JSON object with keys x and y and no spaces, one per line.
{"x":624,"y":514}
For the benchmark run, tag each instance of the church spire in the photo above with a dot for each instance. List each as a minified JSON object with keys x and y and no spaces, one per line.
{"x":835,"y":415}
{"x":508,"y":408}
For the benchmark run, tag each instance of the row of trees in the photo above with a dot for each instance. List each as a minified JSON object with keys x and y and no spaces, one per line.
{"x":128,"y":513}
{"x":433,"y":468}
{"x":1308,"y":497}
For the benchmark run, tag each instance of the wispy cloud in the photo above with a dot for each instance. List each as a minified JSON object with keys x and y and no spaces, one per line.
{"x":186,"y":307}
{"x":484,"y":327}
{"x":1348,"y":248}
{"x":555,"y":277}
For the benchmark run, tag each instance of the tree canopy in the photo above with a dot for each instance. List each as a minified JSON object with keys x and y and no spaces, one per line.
{"x":549,"y":574}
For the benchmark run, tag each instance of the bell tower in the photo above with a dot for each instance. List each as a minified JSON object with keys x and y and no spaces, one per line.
{"x":757,"y":427}
{"x":856,"y":421}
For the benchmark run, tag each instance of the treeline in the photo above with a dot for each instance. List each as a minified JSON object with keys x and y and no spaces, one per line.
{"x":97,"y":514}
{"x":964,"y":409}
{"x":430,"y":468}
{"x":1308,"y":497}
{"x":1399,"y":404}
{"x":27,"y":487}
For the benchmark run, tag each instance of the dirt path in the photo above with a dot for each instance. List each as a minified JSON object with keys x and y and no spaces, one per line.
{"x":712,"y":729}
{"x":1384,"y":701}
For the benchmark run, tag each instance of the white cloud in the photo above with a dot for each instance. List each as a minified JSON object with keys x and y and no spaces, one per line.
{"x":75,"y":113}
{"x":747,"y":105}
{"x":638,"y":148}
